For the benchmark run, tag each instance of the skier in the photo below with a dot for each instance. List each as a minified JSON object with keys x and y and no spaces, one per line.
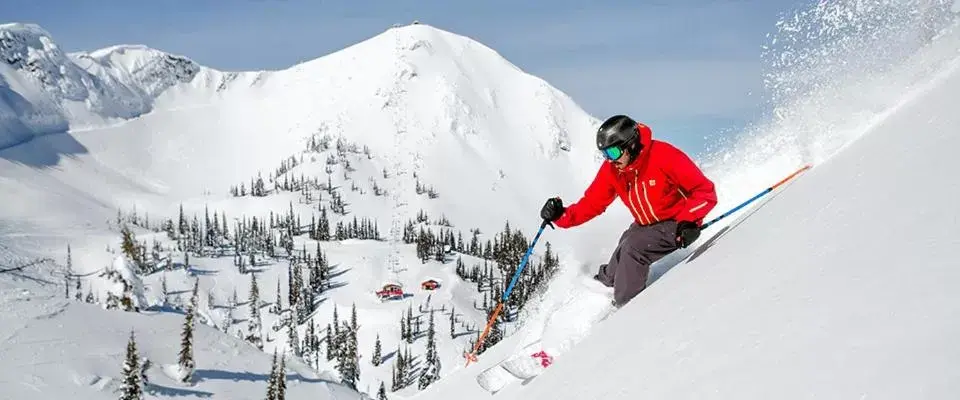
{"x":667,"y":194}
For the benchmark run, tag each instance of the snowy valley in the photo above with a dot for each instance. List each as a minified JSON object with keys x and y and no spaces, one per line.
{"x":142,"y":191}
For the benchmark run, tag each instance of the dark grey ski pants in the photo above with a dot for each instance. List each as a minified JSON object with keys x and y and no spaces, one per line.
{"x":629,"y":266}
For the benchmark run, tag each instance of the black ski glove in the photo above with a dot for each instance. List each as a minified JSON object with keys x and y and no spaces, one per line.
{"x":552,"y":210}
{"x":687,"y":233}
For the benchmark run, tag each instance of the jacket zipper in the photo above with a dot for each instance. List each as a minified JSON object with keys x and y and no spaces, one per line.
{"x":642,"y":216}
{"x":645,"y":197}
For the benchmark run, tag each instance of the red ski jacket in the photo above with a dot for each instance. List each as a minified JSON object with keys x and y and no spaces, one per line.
{"x":663,"y":183}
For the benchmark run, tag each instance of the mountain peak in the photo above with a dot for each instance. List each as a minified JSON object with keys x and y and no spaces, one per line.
{"x":24,"y":28}
{"x":113,"y":83}
{"x":457,"y":85}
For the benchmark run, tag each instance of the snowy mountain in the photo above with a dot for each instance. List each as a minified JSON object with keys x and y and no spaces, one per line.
{"x":48,"y":91}
{"x":415,"y":155}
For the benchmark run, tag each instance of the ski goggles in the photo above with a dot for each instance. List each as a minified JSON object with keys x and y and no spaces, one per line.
{"x":612,"y":153}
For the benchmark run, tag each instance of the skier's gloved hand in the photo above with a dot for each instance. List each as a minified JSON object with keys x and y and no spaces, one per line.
{"x":552,"y":210}
{"x":687,"y":233}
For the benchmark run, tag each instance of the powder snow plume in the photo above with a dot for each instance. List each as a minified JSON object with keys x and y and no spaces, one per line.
{"x":832,"y":71}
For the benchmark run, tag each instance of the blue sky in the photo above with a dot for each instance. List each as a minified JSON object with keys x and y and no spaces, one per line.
{"x":689,"y":68}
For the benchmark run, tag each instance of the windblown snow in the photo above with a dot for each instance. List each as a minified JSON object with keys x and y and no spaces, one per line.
{"x":416,"y":142}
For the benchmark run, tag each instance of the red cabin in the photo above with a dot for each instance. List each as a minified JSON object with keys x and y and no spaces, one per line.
{"x":390,"y":291}
{"x":429,"y":284}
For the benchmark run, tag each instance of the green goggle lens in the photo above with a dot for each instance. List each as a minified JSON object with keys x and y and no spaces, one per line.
{"x":613,"y":153}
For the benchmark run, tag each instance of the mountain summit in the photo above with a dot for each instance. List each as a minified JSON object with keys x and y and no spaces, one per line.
{"x":427,"y":102}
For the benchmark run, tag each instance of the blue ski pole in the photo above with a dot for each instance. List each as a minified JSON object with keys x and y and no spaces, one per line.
{"x":472,"y":356}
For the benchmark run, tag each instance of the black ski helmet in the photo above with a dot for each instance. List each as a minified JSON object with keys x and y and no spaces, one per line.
{"x":619,"y":130}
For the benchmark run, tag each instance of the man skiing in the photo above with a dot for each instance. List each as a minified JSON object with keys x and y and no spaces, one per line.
{"x":666,"y":193}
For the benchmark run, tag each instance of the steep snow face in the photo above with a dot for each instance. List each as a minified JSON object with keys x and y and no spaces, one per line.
{"x":835,"y":286}
{"x":149,"y":71}
{"x":823,"y":292}
{"x":44,"y":90}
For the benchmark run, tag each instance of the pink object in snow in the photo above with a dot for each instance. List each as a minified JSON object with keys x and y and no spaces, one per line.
{"x":545,"y":359}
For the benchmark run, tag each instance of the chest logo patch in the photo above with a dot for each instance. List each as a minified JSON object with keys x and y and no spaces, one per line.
{"x":652,"y":182}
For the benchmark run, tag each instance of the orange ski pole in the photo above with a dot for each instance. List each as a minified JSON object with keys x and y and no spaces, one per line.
{"x":765,"y":191}
{"x":472,"y":356}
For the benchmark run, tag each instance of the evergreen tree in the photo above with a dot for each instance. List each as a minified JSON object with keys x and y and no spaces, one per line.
{"x":410,"y":333}
{"x":278,"y":304}
{"x":394,"y":378}
{"x":272,"y":380}
{"x":353,"y":319}
{"x":185,"y":360}
{"x":300,"y":308}
{"x":382,"y":392}
{"x":132,"y":382}
{"x":331,"y":349}
{"x":130,"y":247}
{"x":313,"y":344}
{"x":399,"y":371}
{"x":375,"y":359}
{"x":254,"y":323}
{"x":431,"y":369}
{"x":335,"y":344}
{"x":182,"y":227}
{"x":68,"y":274}
{"x":453,"y":321}
{"x":164,"y":291}
{"x":348,"y":357}
{"x":282,"y":378}
{"x":293,"y":340}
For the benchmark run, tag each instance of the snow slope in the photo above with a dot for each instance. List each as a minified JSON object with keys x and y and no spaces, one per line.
{"x":836,"y":286}
{"x":55,"y":348}
{"x":822,"y":292}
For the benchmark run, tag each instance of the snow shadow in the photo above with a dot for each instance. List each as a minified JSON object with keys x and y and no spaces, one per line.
{"x":160,"y":390}
{"x":336,"y":270}
{"x":216,"y":374}
{"x":387,"y":356}
{"x":43,"y":151}
{"x":43,"y":142}
{"x":193,"y":271}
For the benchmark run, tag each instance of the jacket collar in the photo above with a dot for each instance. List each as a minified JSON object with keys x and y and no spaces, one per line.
{"x":646,"y":140}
